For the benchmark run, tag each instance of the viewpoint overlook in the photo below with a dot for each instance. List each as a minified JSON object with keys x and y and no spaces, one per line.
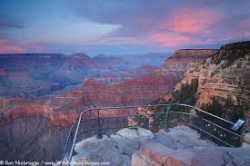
{"x":124,"y":83}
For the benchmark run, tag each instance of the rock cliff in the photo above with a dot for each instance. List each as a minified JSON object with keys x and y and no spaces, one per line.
{"x":224,"y":79}
{"x":226,"y":74}
{"x":183,"y":57}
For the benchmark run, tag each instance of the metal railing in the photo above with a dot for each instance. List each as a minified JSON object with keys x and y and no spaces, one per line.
{"x":213,"y":127}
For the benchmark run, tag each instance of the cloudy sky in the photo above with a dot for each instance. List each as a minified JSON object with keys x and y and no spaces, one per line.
{"x":120,"y":26}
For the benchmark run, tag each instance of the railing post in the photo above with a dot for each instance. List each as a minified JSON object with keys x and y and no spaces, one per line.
{"x":99,"y":134}
{"x":191,"y":118}
{"x":65,"y":147}
{"x":167,"y":112}
{"x":74,"y":140}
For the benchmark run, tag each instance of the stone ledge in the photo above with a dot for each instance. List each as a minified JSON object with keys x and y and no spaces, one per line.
{"x":161,"y":155}
{"x":155,"y":151}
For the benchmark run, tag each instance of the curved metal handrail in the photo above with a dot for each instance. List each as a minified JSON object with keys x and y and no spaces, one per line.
{"x":65,"y":147}
{"x":142,"y":106}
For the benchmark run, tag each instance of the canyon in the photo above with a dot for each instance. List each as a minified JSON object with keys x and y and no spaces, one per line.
{"x":48,"y":92}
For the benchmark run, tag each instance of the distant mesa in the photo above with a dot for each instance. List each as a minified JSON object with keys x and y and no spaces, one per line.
{"x":101,"y":56}
{"x":182,"y":53}
{"x":30,"y":55}
{"x":91,"y":83}
{"x":80,"y":55}
{"x":181,"y":58}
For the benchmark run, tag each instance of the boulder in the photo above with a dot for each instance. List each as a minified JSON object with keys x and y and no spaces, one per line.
{"x":180,"y":131}
{"x":146,"y":134}
{"x":135,"y":133}
{"x":158,"y":154}
{"x":126,"y":160}
{"x":187,"y":138}
{"x":209,"y":159}
{"x":247,"y":138}
{"x":164,"y":138}
{"x":97,"y":150}
{"x":126,"y":146}
{"x":128,"y":133}
{"x":240,"y":156}
{"x":138,"y":160}
{"x":245,"y":145}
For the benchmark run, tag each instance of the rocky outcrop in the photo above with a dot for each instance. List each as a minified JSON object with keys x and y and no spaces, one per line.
{"x":180,"y":146}
{"x":194,"y":52}
{"x":224,"y":77}
{"x":226,"y":74}
{"x":221,"y":81}
{"x":183,"y":57}
{"x":116,"y":150}
{"x":186,"y":63}
{"x":192,"y":73}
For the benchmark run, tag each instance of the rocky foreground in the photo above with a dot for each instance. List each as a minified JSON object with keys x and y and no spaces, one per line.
{"x":180,"y":146}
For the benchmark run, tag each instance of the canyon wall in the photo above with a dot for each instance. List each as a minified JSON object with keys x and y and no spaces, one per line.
{"x":225,"y":74}
{"x":62,"y":110}
{"x":223,"y":78}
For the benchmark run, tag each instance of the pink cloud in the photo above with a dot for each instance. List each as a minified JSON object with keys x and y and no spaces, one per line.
{"x":245,"y":26}
{"x":192,"y":20}
{"x":17,"y":46}
{"x":7,"y":46}
{"x":8,"y":49}
{"x":188,"y":26}
{"x":172,"y":40}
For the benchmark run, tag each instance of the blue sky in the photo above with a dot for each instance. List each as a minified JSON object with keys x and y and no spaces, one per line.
{"x":120,"y":26}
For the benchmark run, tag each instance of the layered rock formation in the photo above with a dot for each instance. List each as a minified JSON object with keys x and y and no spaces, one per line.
{"x":226,"y":74}
{"x":141,"y":90}
{"x":183,"y":57}
{"x":222,"y":78}
{"x":194,"y":52}
{"x":43,"y":75}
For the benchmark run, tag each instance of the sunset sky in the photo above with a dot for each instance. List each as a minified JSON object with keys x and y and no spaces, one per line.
{"x":120,"y":26}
